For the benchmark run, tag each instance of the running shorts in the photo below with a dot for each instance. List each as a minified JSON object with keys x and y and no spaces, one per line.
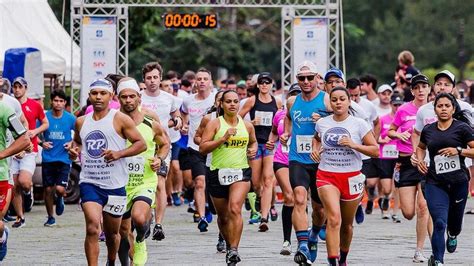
{"x":217,"y":190}
{"x":304,"y":175}
{"x":350,"y":189}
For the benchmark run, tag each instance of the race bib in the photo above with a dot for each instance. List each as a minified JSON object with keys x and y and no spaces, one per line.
{"x":389,"y":151}
{"x":356,"y":184}
{"x":265,"y":118}
{"x":445,"y":164}
{"x":229,"y":176}
{"x":304,"y":143}
{"x":286,"y":148}
{"x":136,"y":165}
{"x":116,"y":205}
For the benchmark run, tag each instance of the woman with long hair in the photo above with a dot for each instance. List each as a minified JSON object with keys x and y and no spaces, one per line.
{"x":339,"y":141}
{"x":449,"y":141}
{"x":232,"y":142}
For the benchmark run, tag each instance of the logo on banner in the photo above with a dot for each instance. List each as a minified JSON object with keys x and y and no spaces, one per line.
{"x":96,"y":143}
{"x":99,"y":64}
{"x":309,"y":34}
{"x":333,"y":135}
{"x":99,"y":33}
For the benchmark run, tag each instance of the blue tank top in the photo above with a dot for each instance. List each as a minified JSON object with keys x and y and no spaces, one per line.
{"x":303,"y":127}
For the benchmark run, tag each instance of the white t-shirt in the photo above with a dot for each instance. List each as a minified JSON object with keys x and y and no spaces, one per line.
{"x":375,"y":101}
{"x":163,"y":105}
{"x":12,"y":103}
{"x":182,"y":94}
{"x":369,"y":108}
{"x":382,"y":111}
{"x":426,"y":114}
{"x":360,"y":112}
{"x":175,"y":135}
{"x":196,"y":109}
{"x":242,"y":102}
{"x":336,"y":158}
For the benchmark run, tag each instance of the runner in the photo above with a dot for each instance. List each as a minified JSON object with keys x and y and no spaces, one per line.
{"x":143,"y":180}
{"x":280,"y":167}
{"x":231,"y":141}
{"x":303,"y":112}
{"x":193,"y":109}
{"x":262,"y":107}
{"x":384,"y":93}
{"x":339,"y":180}
{"x":412,"y":200}
{"x":211,"y":114}
{"x":167,"y":109}
{"x":23,"y":165}
{"x":104,"y":169}
{"x":9,"y":121}
{"x":388,"y":158}
{"x":56,"y":165}
{"x":447,"y":178}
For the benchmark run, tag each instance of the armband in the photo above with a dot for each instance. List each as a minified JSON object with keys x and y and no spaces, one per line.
{"x":16,"y":126}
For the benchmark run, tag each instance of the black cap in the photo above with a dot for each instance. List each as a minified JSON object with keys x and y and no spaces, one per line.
{"x":420,"y":78}
{"x":294,"y":88}
{"x":397,"y":98}
{"x":263,"y":76}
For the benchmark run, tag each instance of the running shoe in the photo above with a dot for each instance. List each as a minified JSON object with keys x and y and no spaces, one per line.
{"x":19,"y":223}
{"x":28,"y":201}
{"x":59,"y":205}
{"x":158,"y":233}
{"x":263,"y":227}
{"x":102,"y":236}
{"x":396,"y":219}
{"x":140,"y":255}
{"x":302,"y":256}
{"x":247,"y":204}
{"x":255,"y":218}
{"x":176,"y":198}
{"x":451,"y":243}
{"x":370,"y":207}
{"x":286,"y":249}
{"x":9,"y":218}
{"x":313,"y":245}
{"x":196,"y":217}
{"x":232,"y":257}
{"x":50,"y":222}
{"x":208,"y":215}
{"x":3,"y":244}
{"x":191,"y":208}
{"x":322,"y":233}
{"x":419,"y":257}
{"x":433,"y":262}
{"x":202,"y":225}
{"x":359,"y":215}
{"x":273,"y":214}
{"x":221,"y":245}
{"x":385,"y":215}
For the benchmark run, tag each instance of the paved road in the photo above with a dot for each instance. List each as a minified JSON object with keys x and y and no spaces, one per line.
{"x":376,"y":242}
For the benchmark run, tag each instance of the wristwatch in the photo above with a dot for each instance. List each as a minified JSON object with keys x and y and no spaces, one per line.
{"x":459,"y":149}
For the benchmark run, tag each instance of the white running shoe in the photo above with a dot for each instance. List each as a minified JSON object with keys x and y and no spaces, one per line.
{"x":419,"y":257}
{"x":286,"y":249}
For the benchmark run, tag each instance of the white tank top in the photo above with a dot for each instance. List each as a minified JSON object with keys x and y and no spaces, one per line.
{"x":97,"y":136}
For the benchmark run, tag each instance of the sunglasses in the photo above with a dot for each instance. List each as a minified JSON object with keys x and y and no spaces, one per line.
{"x":303,"y":78}
{"x":265,"y":82}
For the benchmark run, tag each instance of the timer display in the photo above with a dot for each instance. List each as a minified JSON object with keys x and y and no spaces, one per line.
{"x":190,"y":21}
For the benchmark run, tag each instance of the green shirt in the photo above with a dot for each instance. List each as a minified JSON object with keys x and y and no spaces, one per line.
{"x":5,"y":113}
{"x":233,"y":153}
{"x":138,"y":166}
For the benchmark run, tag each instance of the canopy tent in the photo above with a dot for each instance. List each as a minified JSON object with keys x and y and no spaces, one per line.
{"x":32,"y":23}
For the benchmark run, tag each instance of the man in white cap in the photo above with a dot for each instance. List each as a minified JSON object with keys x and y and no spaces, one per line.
{"x":303,"y":112}
{"x":142,"y":168}
{"x":101,"y":139}
{"x":384,"y":92}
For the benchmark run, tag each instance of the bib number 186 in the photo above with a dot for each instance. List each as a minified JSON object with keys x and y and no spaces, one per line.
{"x":229,"y":176}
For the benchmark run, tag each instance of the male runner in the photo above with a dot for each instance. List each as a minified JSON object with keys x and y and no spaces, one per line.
{"x":100,"y":137}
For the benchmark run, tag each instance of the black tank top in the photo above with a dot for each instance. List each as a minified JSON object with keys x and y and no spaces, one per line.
{"x":265,"y":111}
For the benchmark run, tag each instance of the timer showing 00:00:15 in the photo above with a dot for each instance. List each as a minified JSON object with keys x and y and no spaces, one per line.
{"x":190,"y":21}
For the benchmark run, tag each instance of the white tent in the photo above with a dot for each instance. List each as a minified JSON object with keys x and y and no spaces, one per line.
{"x":32,"y":23}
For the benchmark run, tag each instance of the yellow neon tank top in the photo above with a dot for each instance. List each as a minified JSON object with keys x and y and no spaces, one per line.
{"x":233,"y":153}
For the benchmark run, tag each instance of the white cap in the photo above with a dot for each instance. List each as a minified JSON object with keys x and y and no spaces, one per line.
{"x":384,"y":87}
{"x":306,"y":67}
{"x":448,"y":74}
{"x":128,"y":84}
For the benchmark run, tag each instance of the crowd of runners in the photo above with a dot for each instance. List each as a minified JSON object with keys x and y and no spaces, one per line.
{"x":173,"y":140}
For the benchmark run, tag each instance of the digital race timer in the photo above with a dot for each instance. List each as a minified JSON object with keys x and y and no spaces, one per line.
{"x":190,"y":21}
